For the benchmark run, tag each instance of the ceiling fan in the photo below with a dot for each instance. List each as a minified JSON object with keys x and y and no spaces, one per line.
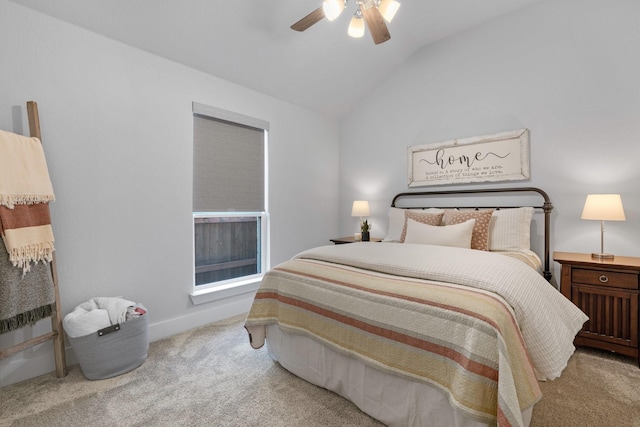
{"x":372,"y":12}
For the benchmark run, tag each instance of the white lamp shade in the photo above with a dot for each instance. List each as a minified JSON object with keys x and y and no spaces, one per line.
{"x":332,"y":8}
{"x":360,"y":208}
{"x":603,"y":207}
{"x":356,"y":27}
{"x":388,"y":9}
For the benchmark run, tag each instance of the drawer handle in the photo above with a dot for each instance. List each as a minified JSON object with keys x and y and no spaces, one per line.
{"x":603,"y":279}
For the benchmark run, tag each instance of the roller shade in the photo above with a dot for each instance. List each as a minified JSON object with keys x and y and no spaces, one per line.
{"x":228,"y":166}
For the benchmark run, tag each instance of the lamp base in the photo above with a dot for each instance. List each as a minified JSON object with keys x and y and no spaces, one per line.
{"x":602,"y":256}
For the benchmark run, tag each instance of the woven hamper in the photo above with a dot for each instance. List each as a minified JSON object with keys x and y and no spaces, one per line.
{"x":114,"y":350}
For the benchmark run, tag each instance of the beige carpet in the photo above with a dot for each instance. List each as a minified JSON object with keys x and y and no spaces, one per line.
{"x":210,"y":376}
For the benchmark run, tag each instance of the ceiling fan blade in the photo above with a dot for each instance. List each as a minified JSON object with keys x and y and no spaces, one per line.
{"x":309,"y":20}
{"x":375,"y":23}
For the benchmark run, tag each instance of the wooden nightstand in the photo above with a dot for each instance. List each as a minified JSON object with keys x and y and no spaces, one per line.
{"x":351,"y":239}
{"x":607,"y":291}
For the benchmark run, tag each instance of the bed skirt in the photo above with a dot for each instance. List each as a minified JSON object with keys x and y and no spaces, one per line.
{"x":393,"y":400}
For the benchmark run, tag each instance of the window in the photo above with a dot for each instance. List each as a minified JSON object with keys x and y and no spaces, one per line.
{"x":230,"y":217}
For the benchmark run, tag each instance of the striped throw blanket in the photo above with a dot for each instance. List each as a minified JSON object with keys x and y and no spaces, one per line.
{"x":379,"y":303}
{"x":27,"y":234}
{"x":25,"y":190}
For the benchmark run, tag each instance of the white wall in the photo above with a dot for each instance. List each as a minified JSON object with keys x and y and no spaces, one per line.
{"x":117,"y":131}
{"x":566,"y":70}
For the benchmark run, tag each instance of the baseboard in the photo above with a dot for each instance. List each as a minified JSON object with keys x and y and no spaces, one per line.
{"x":216,"y":310}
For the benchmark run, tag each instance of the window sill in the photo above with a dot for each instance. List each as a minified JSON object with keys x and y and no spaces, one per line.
{"x":225,"y":291}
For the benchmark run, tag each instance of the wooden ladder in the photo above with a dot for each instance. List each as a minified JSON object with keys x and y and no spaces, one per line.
{"x":56,"y":333}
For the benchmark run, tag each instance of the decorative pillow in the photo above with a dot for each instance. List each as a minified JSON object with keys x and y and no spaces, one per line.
{"x":434,"y":219}
{"x":480,"y":238}
{"x":397,"y":221}
{"x":458,"y":235}
{"x":510,"y":229}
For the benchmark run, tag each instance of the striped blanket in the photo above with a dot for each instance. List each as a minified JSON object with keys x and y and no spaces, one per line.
{"x":25,"y":191}
{"x":27,"y":234}
{"x":378,"y":303}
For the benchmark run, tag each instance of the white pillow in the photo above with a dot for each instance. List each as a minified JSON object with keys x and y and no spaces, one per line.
{"x":396,"y":222}
{"x":510,"y":229}
{"x":458,"y":235}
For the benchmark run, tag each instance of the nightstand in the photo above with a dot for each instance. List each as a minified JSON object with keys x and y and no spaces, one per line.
{"x":351,"y":239}
{"x":607,"y":291}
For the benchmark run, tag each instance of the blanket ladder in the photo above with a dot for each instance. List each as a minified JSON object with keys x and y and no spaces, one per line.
{"x":56,"y":333}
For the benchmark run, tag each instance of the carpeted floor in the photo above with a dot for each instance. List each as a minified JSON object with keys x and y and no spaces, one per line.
{"x":210,"y":376}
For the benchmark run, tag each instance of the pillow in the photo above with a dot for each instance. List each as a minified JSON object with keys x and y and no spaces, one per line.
{"x":423,"y":217}
{"x":480,"y":238}
{"x":397,"y":221}
{"x":458,"y":235}
{"x":510,"y":229}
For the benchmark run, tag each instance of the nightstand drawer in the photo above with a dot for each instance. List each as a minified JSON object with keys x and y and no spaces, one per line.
{"x":605,"y":278}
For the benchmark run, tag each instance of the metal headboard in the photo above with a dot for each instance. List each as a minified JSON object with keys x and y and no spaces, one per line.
{"x":546,"y":208}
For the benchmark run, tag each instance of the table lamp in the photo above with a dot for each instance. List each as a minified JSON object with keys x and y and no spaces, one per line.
{"x":603,"y":207}
{"x":360,"y":208}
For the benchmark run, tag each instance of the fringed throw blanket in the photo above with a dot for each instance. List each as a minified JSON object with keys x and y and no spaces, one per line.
{"x":27,"y":234}
{"x":24,"y":176}
{"x":24,"y":299}
{"x":25,"y":190}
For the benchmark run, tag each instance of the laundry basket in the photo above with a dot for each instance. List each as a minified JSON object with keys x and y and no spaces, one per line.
{"x":113,"y":350}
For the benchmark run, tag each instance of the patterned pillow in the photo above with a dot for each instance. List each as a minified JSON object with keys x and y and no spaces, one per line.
{"x":480,"y":237}
{"x":423,"y":217}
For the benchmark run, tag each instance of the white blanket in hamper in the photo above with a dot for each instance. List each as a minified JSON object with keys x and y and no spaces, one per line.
{"x":95,"y":314}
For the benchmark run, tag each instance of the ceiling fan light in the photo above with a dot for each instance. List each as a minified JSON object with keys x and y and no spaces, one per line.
{"x":356,"y":26}
{"x":388,"y":9}
{"x":333,"y":8}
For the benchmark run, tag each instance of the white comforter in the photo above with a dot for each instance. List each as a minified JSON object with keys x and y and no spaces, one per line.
{"x":548,"y":321}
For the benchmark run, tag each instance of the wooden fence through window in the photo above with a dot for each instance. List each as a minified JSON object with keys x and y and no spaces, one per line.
{"x":225,"y":248}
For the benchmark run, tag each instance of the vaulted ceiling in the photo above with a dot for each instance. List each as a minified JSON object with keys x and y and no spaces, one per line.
{"x":250,"y":42}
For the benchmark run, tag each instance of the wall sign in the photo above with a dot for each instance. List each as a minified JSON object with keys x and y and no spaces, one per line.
{"x":489,"y":158}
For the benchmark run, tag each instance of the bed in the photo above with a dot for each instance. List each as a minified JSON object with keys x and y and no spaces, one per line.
{"x":450,"y":321}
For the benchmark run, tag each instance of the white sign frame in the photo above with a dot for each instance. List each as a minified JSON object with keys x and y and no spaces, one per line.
{"x":490,"y":158}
